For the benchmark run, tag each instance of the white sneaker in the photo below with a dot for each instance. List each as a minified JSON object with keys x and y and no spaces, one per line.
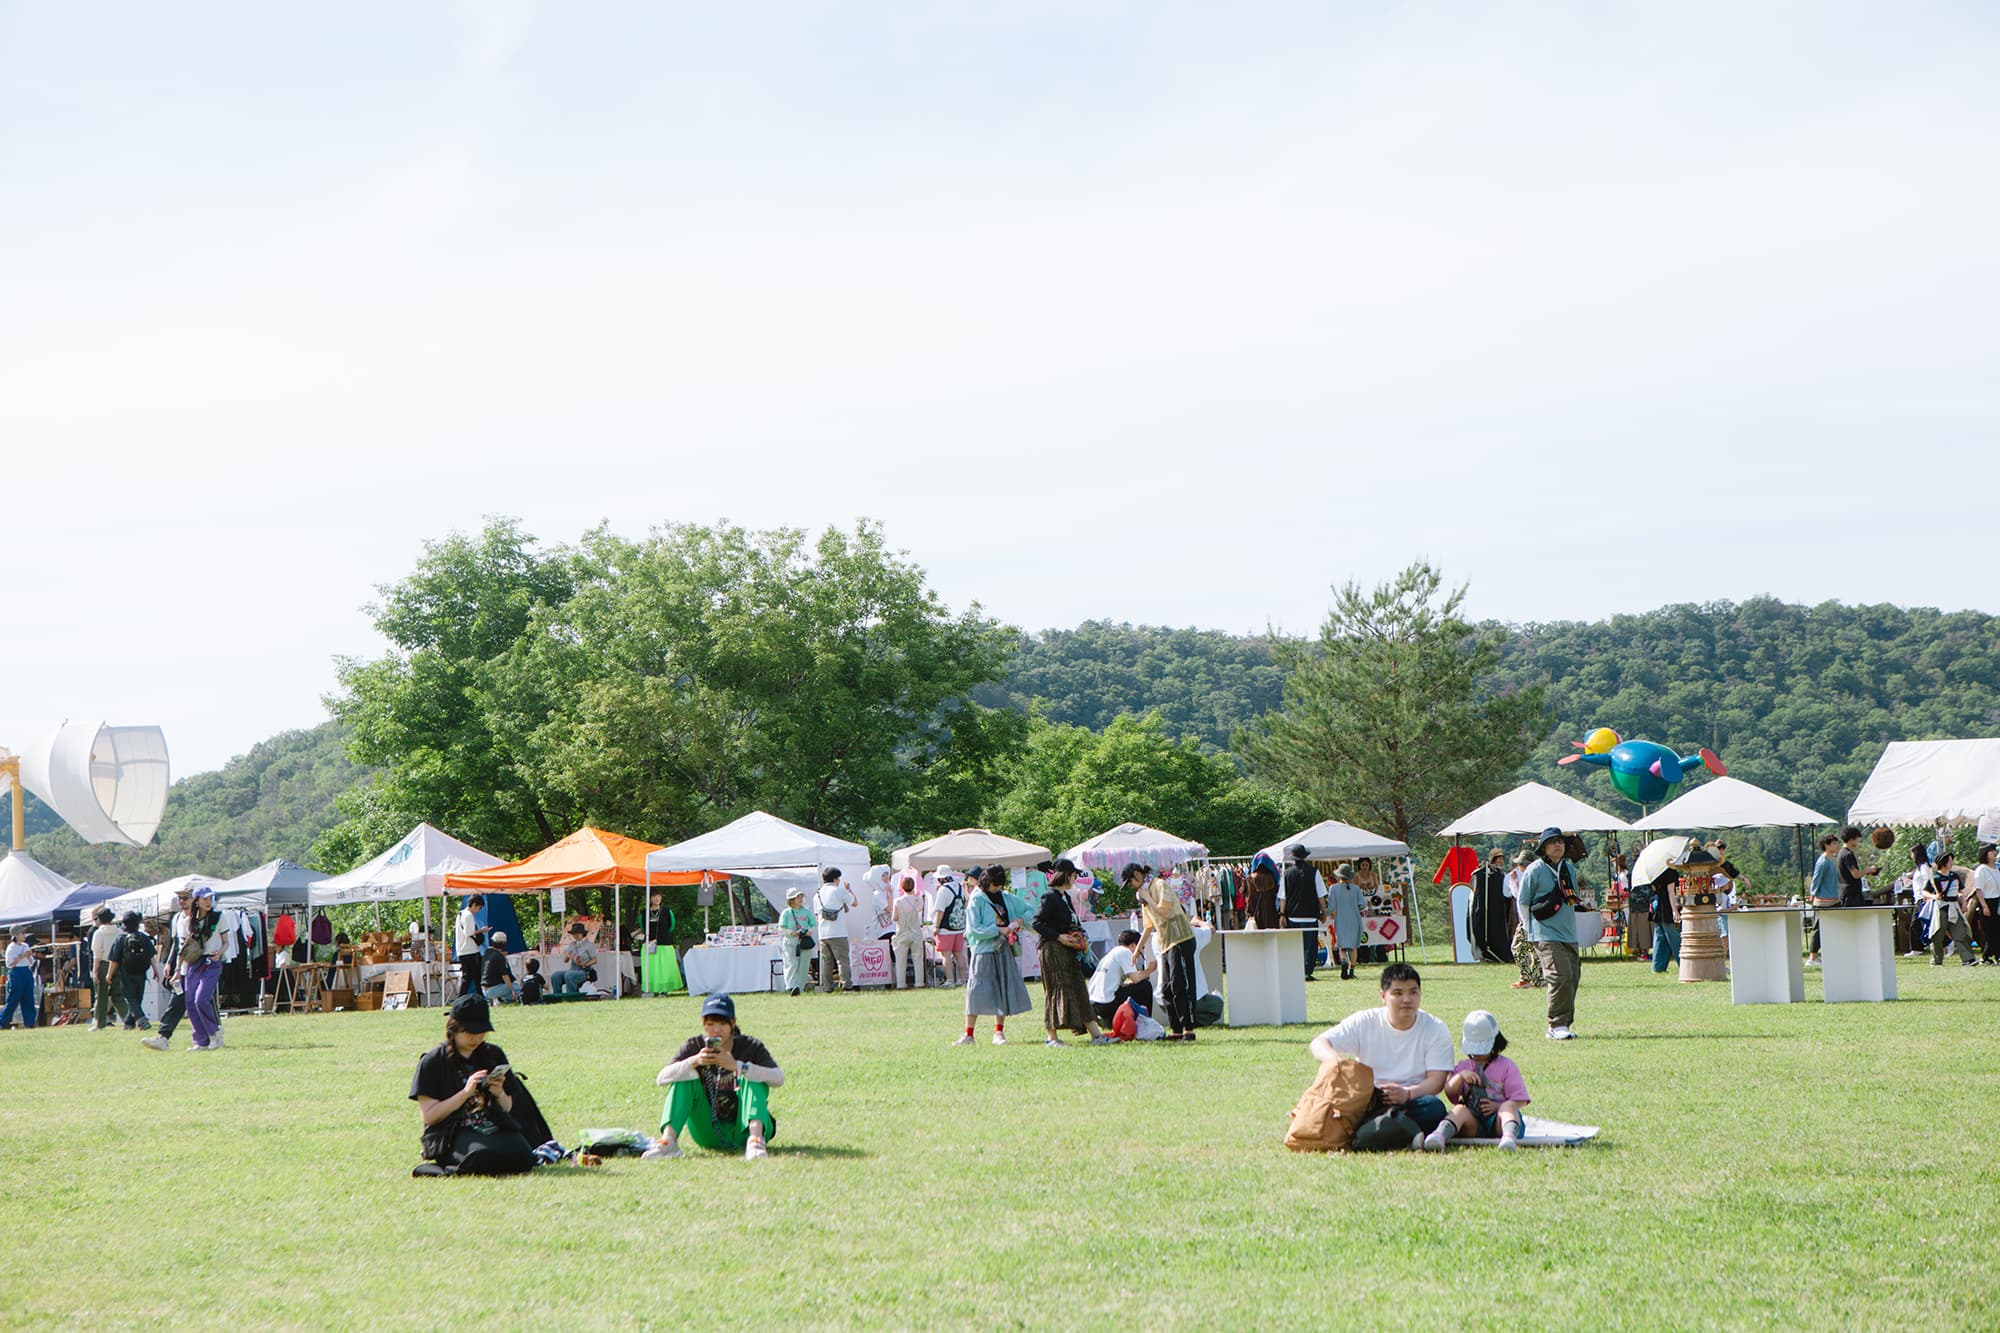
{"x":1814,"y":962}
{"x":965,"y":1040}
{"x":215,"y":1042}
{"x":96,"y":1026}
{"x":661,"y":1151}
{"x":999,"y":1039}
{"x":1560,"y":1034}
{"x":755,"y":1151}
{"x":200,"y":1050}
{"x":155,"y":1043}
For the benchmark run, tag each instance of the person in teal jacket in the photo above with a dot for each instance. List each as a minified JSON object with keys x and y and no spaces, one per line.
{"x":994,"y":920}
{"x":1548,"y":904}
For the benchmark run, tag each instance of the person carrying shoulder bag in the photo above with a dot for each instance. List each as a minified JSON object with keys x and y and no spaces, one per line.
{"x":1548,"y":892}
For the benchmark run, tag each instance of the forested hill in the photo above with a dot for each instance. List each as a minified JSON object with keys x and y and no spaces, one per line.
{"x":268,"y":803}
{"x":1203,"y":683}
{"x":1798,"y":699}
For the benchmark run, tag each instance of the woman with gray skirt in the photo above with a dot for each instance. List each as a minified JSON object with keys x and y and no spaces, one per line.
{"x":1343,"y":899}
{"x":994,"y":920}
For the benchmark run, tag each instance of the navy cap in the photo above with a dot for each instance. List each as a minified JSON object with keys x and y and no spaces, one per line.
{"x":1550,"y":835}
{"x":719,"y":1006}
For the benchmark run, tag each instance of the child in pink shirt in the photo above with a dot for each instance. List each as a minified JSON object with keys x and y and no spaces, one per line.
{"x":1486,"y":1087}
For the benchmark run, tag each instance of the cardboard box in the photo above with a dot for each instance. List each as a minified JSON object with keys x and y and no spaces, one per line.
{"x":368,"y":1000}
{"x":330,"y":1000}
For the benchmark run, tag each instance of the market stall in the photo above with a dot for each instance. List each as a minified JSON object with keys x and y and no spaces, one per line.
{"x":587,"y":859}
{"x":774,"y":854}
{"x":1522,"y":812}
{"x":1388,"y":908}
{"x":965,"y":847}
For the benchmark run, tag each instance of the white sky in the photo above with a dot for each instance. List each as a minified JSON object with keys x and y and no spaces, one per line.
{"x":1150,"y":312}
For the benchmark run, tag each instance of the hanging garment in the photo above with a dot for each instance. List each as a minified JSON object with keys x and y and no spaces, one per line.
{"x":322,"y":929}
{"x":1457,"y":866}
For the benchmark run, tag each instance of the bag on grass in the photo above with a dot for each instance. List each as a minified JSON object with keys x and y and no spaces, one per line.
{"x":1125,"y":1023}
{"x":1148,"y":1028}
{"x":1326,"y":1116}
{"x":615,"y":1142}
{"x":1390,"y":1130}
{"x":1208,"y":1010}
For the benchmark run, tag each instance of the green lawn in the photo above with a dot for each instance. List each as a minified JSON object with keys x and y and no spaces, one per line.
{"x":1796,"y":1166}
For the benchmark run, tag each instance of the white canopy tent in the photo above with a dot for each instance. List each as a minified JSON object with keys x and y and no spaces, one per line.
{"x":1331,"y":840}
{"x":107,"y":783}
{"x":413,"y":868}
{"x":1731,"y":803}
{"x":774,"y":854}
{"x":964,"y":847}
{"x":1920,"y":782}
{"x":1530,"y":808}
{"x":158,"y":899}
{"x":1135,"y":844}
{"x":29,"y":890}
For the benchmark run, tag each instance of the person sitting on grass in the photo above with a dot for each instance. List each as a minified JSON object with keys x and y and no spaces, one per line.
{"x":721,"y":1083}
{"x":533,"y":984}
{"x":496,"y":975}
{"x":1486,"y":1088}
{"x":1408,"y":1049}
{"x":475,"y":1124}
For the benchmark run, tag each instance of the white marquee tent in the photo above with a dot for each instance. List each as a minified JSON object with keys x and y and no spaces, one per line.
{"x":1530,"y":808}
{"x":158,"y":899}
{"x":1135,"y":844}
{"x":964,"y":847}
{"x":1920,"y":782}
{"x":775,"y":854}
{"x":1331,"y":840}
{"x":413,"y":868}
{"x":1731,"y":803}
{"x":29,"y":890}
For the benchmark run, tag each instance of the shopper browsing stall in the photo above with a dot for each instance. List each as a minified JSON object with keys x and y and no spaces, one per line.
{"x":468,"y":943}
{"x":995,"y":918}
{"x":948,"y":926}
{"x":797,"y":924}
{"x":907,"y":945}
{"x":1168,"y":923}
{"x":1304,"y":892}
{"x":1120,"y":976}
{"x":1344,"y":904}
{"x":836,"y":906}
{"x":1065,"y":993}
{"x":20,"y":981}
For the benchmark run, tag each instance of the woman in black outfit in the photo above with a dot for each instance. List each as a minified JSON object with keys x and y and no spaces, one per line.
{"x":474,"y":1124}
{"x":1065,"y":992}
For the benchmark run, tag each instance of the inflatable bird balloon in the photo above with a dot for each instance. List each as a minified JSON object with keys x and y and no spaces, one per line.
{"x":1642,"y":771}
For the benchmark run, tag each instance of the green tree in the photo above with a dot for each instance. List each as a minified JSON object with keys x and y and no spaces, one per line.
{"x":1071,"y":783}
{"x":1389,"y":719}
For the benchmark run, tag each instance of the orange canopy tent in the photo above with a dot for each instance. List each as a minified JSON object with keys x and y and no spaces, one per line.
{"x":587,"y":859}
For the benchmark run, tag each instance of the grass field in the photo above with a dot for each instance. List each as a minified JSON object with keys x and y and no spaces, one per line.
{"x":1802,"y":1166}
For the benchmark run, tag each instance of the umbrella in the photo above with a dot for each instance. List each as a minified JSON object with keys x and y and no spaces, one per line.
{"x":1655,"y":857}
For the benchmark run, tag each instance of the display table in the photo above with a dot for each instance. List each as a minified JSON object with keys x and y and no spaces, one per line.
{"x":730,"y":970}
{"x":1765,"y":944}
{"x":1265,"y":976}
{"x":1857,"y":953}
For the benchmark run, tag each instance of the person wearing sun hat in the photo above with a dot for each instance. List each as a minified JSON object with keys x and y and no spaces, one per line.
{"x":720,"y":1083}
{"x":1485,"y":1089}
{"x":796,"y":923}
{"x":1548,"y":901}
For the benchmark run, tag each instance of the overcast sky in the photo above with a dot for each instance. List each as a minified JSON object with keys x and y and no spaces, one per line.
{"x":1153,"y":312}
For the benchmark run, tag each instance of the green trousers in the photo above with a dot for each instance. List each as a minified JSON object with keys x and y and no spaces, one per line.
{"x":687,"y":1112}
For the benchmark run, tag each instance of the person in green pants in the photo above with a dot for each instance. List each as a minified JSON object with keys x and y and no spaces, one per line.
{"x":721,"y":1085}
{"x":662,"y":969}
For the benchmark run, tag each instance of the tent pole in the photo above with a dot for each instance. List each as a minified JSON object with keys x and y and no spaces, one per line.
{"x":617,"y":935}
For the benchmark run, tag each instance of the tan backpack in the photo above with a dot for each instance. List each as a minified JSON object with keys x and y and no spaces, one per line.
{"x":1328,"y":1113}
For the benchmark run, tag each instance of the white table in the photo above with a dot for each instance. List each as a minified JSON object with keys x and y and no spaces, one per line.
{"x":1765,"y":944}
{"x":1857,"y":953}
{"x":730,"y":970}
{"x":1265,"y":976}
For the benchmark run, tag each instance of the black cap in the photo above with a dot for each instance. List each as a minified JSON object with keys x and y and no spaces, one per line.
{"x":1297,"y":851}
{"x":719,"y":1006}
{"x":471,"y":1013}
{"x":974,"y":872}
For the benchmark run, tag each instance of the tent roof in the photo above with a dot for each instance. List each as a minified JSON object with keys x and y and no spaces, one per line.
{"x":278,"y":883}
{"x":157,"y":899}
{"x":413,"y":868}
{"x":1331,"y":840}
{"x":1917,"y":782}
{"x":968,"y":847}
{"x":587,"y":858}
{"x":29,"y":890}
{"x":1530,"y":808}
{"x":1730,"y":803}
{"x":1129,"y":844}
{"x":758,"y":841}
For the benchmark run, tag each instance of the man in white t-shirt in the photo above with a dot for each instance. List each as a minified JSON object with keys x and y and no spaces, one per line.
{"x":105,"y":991}
{"x":832,"y":905}
{"x":466,"y":945}
{"x":1409,"y":1050}
{"x":1120,"y":977}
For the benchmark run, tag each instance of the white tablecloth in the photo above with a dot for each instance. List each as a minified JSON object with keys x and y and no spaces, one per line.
{"x":710,"y":970}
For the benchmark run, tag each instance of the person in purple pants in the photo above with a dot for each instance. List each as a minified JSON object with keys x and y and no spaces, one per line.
{"x":201,"y":967}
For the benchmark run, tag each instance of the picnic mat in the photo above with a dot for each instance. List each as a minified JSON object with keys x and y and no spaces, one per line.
{"x":1539,"y":1133}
